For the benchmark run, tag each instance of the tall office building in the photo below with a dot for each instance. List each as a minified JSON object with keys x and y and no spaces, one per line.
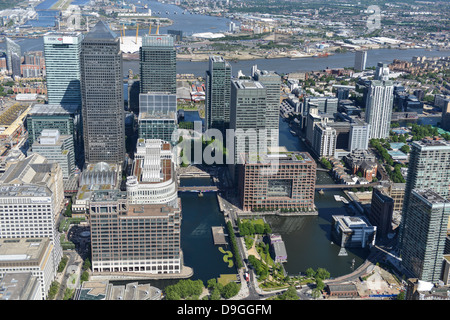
{"x":429,"y":168}
{"x":360,"y":60}
{"x":425,"y":235}
{"x":158,"y":64}
{"x":62,"y":65}
{"x":272,"y":82}
{"x":102,"y":96}
{"x":64,"y":118}
{"x":248,"y":115}
{"x":13,"y":57}
{"x":381,"y":210}
{"x":379,"y":103}
{"x":157,"y":116}
{"x":218,"y":94}
{"x":57,"y":148}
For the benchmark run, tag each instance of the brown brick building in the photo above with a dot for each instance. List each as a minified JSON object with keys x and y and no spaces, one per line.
{"x":277,"y":181}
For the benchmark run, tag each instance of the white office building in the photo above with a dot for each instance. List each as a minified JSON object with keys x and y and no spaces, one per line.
{"x":379,"y":103}
{"x":359,"y":135}
{"x":153,"y":179}
{"x":324,"y":140}
{"x":30,"y":258}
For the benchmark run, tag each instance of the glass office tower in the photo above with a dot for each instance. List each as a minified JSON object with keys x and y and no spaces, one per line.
{"x":62,"y":64}
{"x":218,"y":94}
{"x":158,"y":64}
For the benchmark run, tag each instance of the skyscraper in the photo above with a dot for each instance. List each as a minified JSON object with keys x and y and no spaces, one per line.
{"x":218,"y":94}
{"x":158,"y":64}
{"x":429,"y":168}
{"x":248,"y":119}
{"x":272,"y":82}
{"x":379,"y":103}
{"x":425,"y":235}
{"x":62,"y":64}
{"x":13,"y":57}
{"x":102,"y":96}
{"x":360,"y":60}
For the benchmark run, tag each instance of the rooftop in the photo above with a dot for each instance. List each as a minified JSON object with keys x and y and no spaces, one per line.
{"x":100,"y":31}
{"x":53,"y":109}
{"x":22,"y":250}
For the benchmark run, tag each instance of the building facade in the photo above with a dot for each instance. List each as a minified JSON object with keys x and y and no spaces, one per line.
{"x":158,"y":64}
{"x":360,"y":60}
{"x":32,"y":258}
{"x":379,"y":103}
{"x":57,"y":148}
{"x":134,"y":237}
{"x":63,"y":70}
{"x":277,"y":181}
{"x":425,"y":234}
{"x":428,"y":168}
{"x":102,"y":96}
{"x":157,"y":116}
{"x":13,"y":57}
{"x":153,"y":176}
{"x":272,"y":82}
{"x":218,"y":94}
{"x":381,"y":210}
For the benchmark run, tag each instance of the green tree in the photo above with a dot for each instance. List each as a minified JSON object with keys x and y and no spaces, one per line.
{"x":86,"y":264}
{"x":310,"y":273}
{"x":230,"y":290}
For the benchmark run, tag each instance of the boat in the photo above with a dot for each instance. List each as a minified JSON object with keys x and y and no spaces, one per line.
{"x":293,"y":132}
{"x":321,"y":191}
{"x":146,"y":7}
{"x":200,"y":194}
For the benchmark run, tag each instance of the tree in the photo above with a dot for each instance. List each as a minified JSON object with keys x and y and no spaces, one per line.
{"x":310,"y":272}
{"x":230,"y":290}
{"x":322,"y":274}
{"x":84,"y":276}
{"x":86,"y":264}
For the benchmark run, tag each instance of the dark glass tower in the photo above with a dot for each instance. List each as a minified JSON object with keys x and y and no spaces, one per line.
{"x":102,"y":96}
{"x":158,"y":67}
{"x":218,"y":94}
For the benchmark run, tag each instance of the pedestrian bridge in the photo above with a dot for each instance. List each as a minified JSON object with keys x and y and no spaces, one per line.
{"x":345,"y":186}
{"x":198,"y":189}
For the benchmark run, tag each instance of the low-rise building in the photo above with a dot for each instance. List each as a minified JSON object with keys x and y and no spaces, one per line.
{"x":29,"y":255}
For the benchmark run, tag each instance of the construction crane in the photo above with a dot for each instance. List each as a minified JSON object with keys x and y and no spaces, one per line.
{"x":157,"y":29}
{"x":150,"y":29}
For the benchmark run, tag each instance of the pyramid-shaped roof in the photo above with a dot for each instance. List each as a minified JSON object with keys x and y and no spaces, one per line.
{"x":101,"y":31}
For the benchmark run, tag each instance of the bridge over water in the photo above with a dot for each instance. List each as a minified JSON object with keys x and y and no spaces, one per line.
{"x":318,"y":187}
